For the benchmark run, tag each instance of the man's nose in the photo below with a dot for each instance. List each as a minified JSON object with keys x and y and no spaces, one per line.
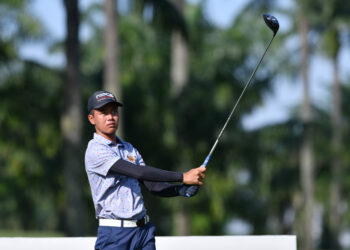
{"x":109,"y":116}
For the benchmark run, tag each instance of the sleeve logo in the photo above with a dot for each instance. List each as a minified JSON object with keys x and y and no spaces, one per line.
{"x":131,"y":158}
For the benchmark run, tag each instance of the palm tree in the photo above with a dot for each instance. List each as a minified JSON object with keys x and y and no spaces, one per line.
{"x":334,"y":214}
{"x":71,"y":125}
{"x":306,"y":152}
{"x":169,"y":15}
{"x":179,"y":77}
{"x":111,"y":55}
{"x":335,"y":15}
{"x":179,"y":56}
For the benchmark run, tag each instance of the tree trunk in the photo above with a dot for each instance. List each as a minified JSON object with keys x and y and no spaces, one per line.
{"x":336,"y":161}
{"x":181,"y":220}
{"x":179,"y":77}
{"x":179,"y":54}
{"x":306,"y":153}
{"x":111,"y":56}
{"x":71,"y":125}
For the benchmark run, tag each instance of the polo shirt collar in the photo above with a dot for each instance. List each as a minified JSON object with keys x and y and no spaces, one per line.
{"x":103,"y":140}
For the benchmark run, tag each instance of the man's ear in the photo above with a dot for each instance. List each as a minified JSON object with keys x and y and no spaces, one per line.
{"x":91,"y":119}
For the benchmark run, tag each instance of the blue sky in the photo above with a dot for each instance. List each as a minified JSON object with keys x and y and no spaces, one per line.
{"x":276,"y":105}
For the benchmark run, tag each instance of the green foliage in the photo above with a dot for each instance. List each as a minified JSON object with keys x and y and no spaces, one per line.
{"x":252,"y":176}
{"x":29,"y":142}
{"x":29,"y":148}
{"x":17,"y":23}
{"x":219,"y":68}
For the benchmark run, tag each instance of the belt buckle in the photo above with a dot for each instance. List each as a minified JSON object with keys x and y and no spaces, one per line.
{"x":143,"y":221}
{"x":140,"y":223}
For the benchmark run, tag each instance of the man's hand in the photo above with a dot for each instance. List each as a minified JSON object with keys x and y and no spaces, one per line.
{"x":188,"y":190}
{"x":194,"y":176}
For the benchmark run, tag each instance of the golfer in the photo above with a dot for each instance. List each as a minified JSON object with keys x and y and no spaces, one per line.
{"x":115,"y":170}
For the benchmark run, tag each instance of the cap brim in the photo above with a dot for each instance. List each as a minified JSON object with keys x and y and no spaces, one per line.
{"x":105,"y":103}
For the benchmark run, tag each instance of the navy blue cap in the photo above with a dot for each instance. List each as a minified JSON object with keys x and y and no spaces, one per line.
{"x":101,"y":98}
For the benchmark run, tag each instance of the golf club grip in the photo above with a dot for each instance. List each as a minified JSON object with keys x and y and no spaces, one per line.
{"x":206,"y":161}
{"x":195,"y":187}
{"x":204,"y":165}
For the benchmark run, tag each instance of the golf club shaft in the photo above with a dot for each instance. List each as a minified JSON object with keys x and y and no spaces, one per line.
{"x":234,"y":107}
{"x":273,"y":24}
{"x":239,"y":98}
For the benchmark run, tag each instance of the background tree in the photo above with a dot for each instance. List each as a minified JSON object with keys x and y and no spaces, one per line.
{"x":336,"y":16}
{"x":179,"y":54}
{"x":71,"y":124}
{"x":306,"y":151}
{"x":30,"y":140}
{"x":179,"y":78}
{"x":111,"y":55}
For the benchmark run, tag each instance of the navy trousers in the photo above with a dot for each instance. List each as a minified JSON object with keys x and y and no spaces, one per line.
{"x":126,"y":238}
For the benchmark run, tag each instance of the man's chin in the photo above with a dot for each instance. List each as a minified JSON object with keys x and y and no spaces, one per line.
{"x":109,"y":130}
{"x":114,"y":129}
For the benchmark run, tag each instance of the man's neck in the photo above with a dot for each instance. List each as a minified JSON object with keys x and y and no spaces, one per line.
{"x":111,"y":137}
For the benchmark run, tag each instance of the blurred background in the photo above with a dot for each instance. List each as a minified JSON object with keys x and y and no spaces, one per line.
{"x":282,"y":165}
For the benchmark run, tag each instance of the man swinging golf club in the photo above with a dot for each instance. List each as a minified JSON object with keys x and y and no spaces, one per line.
{"x":115,"y":169}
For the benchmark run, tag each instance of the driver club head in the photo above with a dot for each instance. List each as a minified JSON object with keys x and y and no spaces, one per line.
{"x":272,"y":22}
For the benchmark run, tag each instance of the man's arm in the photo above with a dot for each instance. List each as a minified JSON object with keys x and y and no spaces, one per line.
{"x":169,"y":190}
{"x":163,"y":189}
{"x":147,"y":173}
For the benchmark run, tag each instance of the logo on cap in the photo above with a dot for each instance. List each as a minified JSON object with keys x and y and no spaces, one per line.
{"x":105,"y":95}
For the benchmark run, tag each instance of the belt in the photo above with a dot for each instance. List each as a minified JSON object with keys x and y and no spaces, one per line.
{"x":124,"y":223}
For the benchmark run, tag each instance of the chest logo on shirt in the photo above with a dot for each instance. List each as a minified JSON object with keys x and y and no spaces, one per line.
{"x":131,"y":158}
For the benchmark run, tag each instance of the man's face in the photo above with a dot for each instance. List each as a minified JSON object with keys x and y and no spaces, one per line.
{"x":105,"y":119}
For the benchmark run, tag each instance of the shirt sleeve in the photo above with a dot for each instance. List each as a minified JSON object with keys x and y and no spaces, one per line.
{"x":139,"y":158}
{"x":100,"y":158}
{"x":146,"y":173}
{"x":162,"y":189}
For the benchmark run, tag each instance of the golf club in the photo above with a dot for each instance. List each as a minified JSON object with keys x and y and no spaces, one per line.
{"x":273,"y":24}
